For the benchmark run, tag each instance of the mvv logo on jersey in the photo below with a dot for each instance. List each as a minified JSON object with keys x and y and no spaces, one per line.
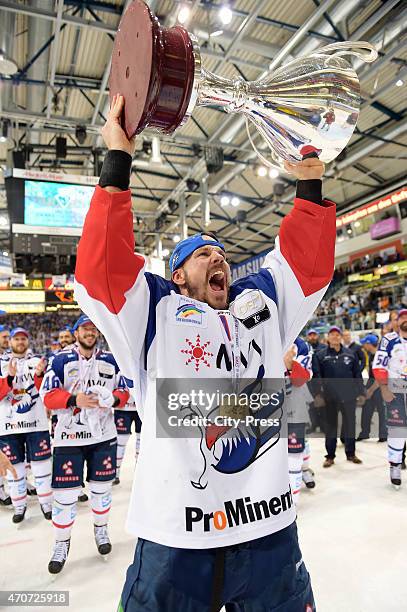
{"x":190,"y":313}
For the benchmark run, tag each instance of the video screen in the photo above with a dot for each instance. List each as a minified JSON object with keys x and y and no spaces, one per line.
{"x":56,"y":204}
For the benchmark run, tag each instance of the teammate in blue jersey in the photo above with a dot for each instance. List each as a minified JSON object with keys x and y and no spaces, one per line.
{"x":84,"y":384}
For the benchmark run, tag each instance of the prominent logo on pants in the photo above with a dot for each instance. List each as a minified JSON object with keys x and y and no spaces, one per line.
{"x":234,"y":513}
{"x":67,"y":467}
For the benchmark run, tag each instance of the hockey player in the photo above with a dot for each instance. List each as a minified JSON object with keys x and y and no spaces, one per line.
{"x":23,"y":423}
{"x":84,"y":385}
{"x":298,"y":362}
{"x":223,"y":495}
{"x":65,"y":337}
{"x":66,"y":340}
{"x":390,"y":371}
{"x":123,"y":419}
{"x":4,"y":339}
{"x":5,"y":499}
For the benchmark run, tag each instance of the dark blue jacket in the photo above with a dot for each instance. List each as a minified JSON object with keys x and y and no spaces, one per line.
{"x":337,"y":375}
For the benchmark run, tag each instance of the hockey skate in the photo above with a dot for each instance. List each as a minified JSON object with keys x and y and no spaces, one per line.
{"x":308,"y":478}
{"x":83,"y":497}
{"x":5,"y":500}
{"x":19,"y":514}
{"x":47,"y":511}
{"x":102,"y":539}
{"x":116,"y":481}
{"x":395,"y":475}
{"x":31,"y":490}
{"x":59,"y":556}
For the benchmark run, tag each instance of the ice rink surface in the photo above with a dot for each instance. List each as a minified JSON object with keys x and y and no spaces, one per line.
{"x":352,"y":527}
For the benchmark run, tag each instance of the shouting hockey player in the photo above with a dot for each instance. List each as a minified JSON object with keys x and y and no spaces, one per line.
{"x":228,"y":533}
{"x":84,"y":385}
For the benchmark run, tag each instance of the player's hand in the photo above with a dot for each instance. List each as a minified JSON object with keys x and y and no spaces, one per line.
{"x":113,"y":133}
{"x":12,"y":367}
{"x":5,"y":465}
{"x":361,"y":399}
{"x":87,"y":400}
{"x":387,"y":395}
{"x":289,"y":357}
{"x":105,"y":396}
{"x":307,"y":169}
{"x":41,"y":365}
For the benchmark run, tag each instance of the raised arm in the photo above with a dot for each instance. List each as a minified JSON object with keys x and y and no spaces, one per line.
{"x":110,"y":283}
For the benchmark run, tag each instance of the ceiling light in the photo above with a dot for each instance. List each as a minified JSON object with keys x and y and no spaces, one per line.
{"x":401,"y":76}
{"x":176,"y":238}
{"x":225,"y":200}
{"x":184,"y":14}
{"x":7,"y":65}
{"x":165,"y":252}
{"x":225,"y":15}
{"x":273,"y":173}
{"x":235,"y":201}
{"x":217,"y":33}
{"x":261,"y":171}
{"x":5,"y":253}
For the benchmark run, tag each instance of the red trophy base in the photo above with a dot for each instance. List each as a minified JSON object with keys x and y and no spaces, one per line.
{"x":153,"y":68}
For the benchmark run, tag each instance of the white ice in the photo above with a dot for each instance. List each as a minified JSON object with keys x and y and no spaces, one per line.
{"x":352,"y":526}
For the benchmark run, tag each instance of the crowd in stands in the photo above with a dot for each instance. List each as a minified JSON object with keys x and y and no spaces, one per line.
{"x":43,"y":328}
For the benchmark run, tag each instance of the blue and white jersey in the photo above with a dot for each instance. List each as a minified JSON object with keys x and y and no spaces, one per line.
{"x":214,"y":487}
{"x":298,"y":394}
{"x":21,"y":408}
{"x":69,"y":374}
{"x":390,"y":362}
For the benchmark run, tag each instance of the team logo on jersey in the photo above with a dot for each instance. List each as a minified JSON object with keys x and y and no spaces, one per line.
{"x":228,"y":448}
{"x":190,"y":313}
{"x":43,"y":445}
{"x":197,"y":353}
{"x":67,"y":467}
{"x":73,"y":372}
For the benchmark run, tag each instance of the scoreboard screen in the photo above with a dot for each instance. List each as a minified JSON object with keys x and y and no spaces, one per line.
{"x":50,"y":204}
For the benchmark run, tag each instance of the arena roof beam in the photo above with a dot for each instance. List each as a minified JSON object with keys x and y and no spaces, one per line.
{"x":54,"y":55}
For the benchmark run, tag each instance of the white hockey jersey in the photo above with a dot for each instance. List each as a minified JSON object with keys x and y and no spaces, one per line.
{"x":21,"y":408}
{"x":209,"y":489}
{"x":390,"y":362}
{"x":70,"y":373}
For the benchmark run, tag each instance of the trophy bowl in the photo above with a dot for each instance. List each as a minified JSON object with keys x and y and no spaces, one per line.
{"x":310,"y":104}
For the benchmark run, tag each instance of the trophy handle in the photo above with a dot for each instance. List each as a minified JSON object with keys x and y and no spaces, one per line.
{"x":359,"y":48}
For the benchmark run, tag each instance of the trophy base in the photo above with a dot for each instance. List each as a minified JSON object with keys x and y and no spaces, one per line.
{"x":154,"y":69}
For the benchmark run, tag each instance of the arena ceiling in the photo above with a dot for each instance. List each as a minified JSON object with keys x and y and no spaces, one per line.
{"x":62,"y":50}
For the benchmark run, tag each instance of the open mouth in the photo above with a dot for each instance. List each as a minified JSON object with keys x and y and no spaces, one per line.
{"x":217,"y":281}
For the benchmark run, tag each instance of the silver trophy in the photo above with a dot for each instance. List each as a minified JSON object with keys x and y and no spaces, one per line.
{"x":308,"y":106}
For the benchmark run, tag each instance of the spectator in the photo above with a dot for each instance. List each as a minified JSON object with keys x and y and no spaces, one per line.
{"x":338,"y":382}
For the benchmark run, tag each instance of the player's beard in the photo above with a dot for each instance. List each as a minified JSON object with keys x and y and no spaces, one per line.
{"x":87,"y":345}
{"x":403,"y":326}
{"x":200,"y":293}
{"x":19,"y":350}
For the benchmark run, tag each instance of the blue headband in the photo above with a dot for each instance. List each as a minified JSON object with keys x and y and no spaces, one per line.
{"x":185,"y":248}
